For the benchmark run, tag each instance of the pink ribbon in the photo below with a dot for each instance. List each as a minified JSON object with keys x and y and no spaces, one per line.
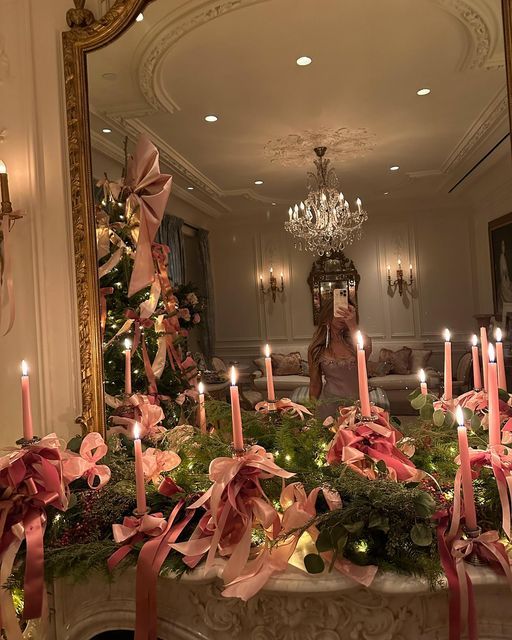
{"x":149,"y":191}
{"x":155,"y":462}
{"x":285,"y":405}
{"x":84,"y":464}
{"x":149,"y":415}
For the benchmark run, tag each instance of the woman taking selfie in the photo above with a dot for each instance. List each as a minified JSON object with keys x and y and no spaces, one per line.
{"x":332,"y":359}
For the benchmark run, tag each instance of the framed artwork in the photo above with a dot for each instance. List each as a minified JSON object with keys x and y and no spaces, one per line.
{"x":500,"y":240}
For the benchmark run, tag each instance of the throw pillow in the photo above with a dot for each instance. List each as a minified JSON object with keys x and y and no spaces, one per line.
{"x":305,"y":367}
{"x":286,"y":364}
{"x":419,"y":359}
{"x":378,"y":369}
{"x":400,"y":360}
{"x":259,"y":363}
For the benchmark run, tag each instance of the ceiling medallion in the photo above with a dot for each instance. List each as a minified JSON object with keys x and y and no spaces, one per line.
{"x":324,"y":223}
{"x":343,"y":143}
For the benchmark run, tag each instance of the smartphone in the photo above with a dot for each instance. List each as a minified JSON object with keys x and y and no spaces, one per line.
{"x":340,"y":301}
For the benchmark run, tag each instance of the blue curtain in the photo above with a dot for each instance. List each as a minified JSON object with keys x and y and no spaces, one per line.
{"x":208,"y":332}
{"x":171,"y":234}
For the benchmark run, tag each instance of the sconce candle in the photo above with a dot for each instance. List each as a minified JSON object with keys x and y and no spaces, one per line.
{"x":28,"y":432}
{"x":493,"y":400}
{"x":465,"y":470}
{"x":128,"y":367}
{"x":448,"y":389}
{"x":477,"y":378}
{"x":4,"y":189}
{"x":201,"y":409}
{"x":362,"y":376}
{"x":423,"y":382}
{"x":139,"y":471}
{"x":236,"y":414}
{"x":502,"y":378}
{"x":485,"y":356}
{"x":271,"y":394}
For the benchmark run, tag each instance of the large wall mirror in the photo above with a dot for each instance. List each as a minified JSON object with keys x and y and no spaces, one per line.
{"x":411,"y":106}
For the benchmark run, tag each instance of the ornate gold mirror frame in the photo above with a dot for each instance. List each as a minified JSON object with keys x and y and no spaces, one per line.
{"x":85,"y":35}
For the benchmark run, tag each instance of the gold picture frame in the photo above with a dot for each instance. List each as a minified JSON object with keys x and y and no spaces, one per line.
{"x":85,"y":35}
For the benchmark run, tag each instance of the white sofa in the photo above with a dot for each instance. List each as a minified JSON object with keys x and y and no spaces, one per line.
{"x":396,"y":386}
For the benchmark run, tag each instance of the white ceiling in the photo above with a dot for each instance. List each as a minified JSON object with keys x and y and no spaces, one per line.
{"x":358,"y":96}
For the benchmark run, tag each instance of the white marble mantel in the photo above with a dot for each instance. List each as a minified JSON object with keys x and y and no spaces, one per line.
{"x":294,"y":606}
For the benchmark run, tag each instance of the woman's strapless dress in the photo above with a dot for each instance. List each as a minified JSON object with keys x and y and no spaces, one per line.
{"x":340,"y":383}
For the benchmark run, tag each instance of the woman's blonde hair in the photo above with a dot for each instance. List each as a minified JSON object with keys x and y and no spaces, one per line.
{"x":319,"y":341}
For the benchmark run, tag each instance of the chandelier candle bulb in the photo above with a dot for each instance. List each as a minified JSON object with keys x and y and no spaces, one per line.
{"x":423,"y":382}
{"x":236,"y":414}
{"x":271,"y":394}
{"x":201,"y":409}
{"x":493,"y":400}
{"x":448,"y":390}
{"x":465,"y":470}
{"x":502,"y":378}
{"x":139,"y":471}
{"x":477,"y":378}
{"x":128,"y":367}
{"x":362,"y":376}
{"x":485,"y":357}
{"x":28,"y":431}
{"x":4,"y":189}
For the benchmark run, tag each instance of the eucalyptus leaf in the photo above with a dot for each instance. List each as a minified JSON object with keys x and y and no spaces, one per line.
{"x":467,"y":413}
{"x":396,"y":422}
{"x":415,"y":393}
{"x":418,"y":402}
{"x":421,"y":534}
{"x":424,"y":505}
{"x":503,"y":395}
{"x":314,"y":563}
{"x":449,"y":419}
{"x":438,"y":418}
{"x":475,"y":422}
{"x":354,"y":527}
{"x":324,"y":541}
{"x":426,"y":412}
{"x":378,"y":521}
{"x":75,"y":443}
{"x":381,"y":466}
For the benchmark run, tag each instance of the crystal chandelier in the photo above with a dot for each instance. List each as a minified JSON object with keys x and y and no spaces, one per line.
{"x":324,"y":223}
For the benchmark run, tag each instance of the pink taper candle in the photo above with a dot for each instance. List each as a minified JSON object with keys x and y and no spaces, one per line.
{"x":28,"y":432}
{"x":465,"y":470}
{"x":485,"y":356}
{"x":364,"y":396}
{"x":447,"y":366}
{"x":500,"y":360}
{"x":477,"y":378}
{"x":201,"y":410}
{"x":139,"y":471}
{"x":236,"y":414}
{"x":493,"y":399}
{"x":423,"y":382}
{"x":128,"y":367}
{"x":271,"y":394}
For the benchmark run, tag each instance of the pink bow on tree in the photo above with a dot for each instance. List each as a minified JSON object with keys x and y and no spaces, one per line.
{"x":148,"y":416}
{"x":155,"y":462}
{"x":284,"y":405}
{"x":84,"y":464}
{"x":149,"y":192}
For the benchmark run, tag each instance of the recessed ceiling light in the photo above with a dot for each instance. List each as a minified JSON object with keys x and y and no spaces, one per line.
{"x":394,"y":168}
{"x":109,"y":76}
{"x":273,"y":204}
{"x":107,"y":130}
{"x":211,"y":118}
{"x":386,"y":193}
{"x":258,"y":182}
{"x":303,"y":61}
{"x":423,"y":92}
{"x":139,"y":18}
{"x":190,"y":188}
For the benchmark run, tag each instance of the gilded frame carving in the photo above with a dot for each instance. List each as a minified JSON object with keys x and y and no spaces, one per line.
{"x":87,"y":35}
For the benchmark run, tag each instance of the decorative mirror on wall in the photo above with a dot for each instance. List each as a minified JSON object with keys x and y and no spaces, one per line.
{"x":329,"y":273}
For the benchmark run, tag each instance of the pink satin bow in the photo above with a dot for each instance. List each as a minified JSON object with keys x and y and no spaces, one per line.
{"x":84,"y":464}
{"x":155,"y":462}
{"x":284,"y":405}
{"x":149,"y":191}
{"x":149,"y":417}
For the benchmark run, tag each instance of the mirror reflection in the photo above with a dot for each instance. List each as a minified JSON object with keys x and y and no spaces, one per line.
{"x":281,"y":174}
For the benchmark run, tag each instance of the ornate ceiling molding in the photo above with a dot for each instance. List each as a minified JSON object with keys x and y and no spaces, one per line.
{"x":296,"y":149}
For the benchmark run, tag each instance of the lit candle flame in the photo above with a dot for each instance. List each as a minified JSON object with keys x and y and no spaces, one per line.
{"x":200,"y":388}
{"x":3,"y":168}
{"x":24,"y":368}
{"x":358,"y":202}
{"x":460,"y":416}
{"x":136,"y":431}
{"x":233,"y":376}
{"x":490,"y":351}
{"x":399,"y":263}
{"x":127,"y":344}
{"x":447,"y":335}
{"x":474,"y":340}
{"x":267,"y":351}
{"x":359,"y":337}
{"x":422,"y":376}
{"x":499,"y":335}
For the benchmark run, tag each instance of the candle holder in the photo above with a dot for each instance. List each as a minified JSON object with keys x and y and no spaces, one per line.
{"x":139,"y":514}
{"x":272,"y":289}
{"x":271,"y":406}
{"x":473,"y":558}
{"x":399,"y":282}
{"x":23,"y":442}
{"x":238,"y":453}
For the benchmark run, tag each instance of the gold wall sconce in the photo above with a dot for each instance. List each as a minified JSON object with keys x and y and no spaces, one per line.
{"x":400,"y":283}
{"x":272,"y":289}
